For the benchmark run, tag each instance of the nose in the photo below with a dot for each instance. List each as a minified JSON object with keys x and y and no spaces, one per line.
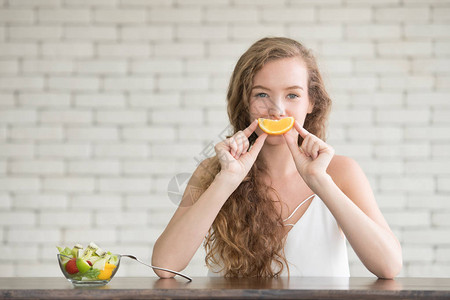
{"x":277,"y":108}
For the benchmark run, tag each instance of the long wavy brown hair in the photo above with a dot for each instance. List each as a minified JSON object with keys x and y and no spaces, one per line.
{"x":247,"y":237}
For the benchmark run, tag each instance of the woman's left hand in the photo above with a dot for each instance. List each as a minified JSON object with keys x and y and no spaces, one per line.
{"x":312,"y":157}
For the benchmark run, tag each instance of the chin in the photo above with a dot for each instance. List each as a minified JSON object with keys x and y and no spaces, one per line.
{"x":275,"y":140}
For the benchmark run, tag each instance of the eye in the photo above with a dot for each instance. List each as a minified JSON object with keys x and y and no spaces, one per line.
{"x":292,"y":96}
{"x":261,"y":95}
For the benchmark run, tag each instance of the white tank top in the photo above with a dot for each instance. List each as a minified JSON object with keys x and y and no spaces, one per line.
{"x":315,"y":246}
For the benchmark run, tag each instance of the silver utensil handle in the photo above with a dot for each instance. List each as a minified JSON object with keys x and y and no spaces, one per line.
{"x":159,"y":268}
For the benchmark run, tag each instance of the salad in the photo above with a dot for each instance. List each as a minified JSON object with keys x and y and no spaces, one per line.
{"x":92,"y":263}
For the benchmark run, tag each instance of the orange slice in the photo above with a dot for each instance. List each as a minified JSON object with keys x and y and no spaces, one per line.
{"x":275,"y":127}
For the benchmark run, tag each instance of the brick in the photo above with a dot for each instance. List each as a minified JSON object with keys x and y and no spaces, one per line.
{"x":428,"y":31}
{"x":122,"y":219}
{"x":200,"y":32}
{"x":431,"y":66}
{"x":373,"y":31}
{"x":440,"y":151}
{"x":248,"y":32}
{"x":72,"y":15}
{"x":176,"y":150}
{"x":44,"y":99}
{"x":354,"y":84}
{"x":66,"y":150}
{"x":442,"y":83}
{"x":125,"y":185}
{"x":443,"y":184}
{"x":92,"y":33}
{"x":408,"y":184}
{"x":443,"y":254}
{"x":207,"y":134}
{"x":316,"y":32}
{"x":434,"y":99}
{"x":83,"y":219}
{"x":12,"y":150}
{"x":33,"y":236}
{"x":7,"y":99}
{"x":402,"y":14}
{"x":409,"y":219}
{"x":12,"y":218}
{"x":154,"y":133}
{"x":18,"y":116}
{"x":41,"y":201}
{"x":382,"y":66}
{"x":79,"y":83}
{"x":144,"y":3}
{"x":209,"y":66}
{"x":355,"y":150}
{"x":404,"y":150}
{"x":152,"y":167}
{"x":417,"y":254}
{"x":231,"y":15}
{"x":9,"y":49}
{"x":410,"y":83}
{"x":127,"y":150}
{"x":94,"y":167}
{"x":177,"y":50}
{"x":441,"y":48}
{"x":232,"y":49}
{"x":135,"y":235}
{"x":100,"y":100}
{"x":277,"y":15}
{"x":16,"y":16}
{"x":9,"y":67}
{"x":157,"y":66}
{"x":155,"y":100}
{"x":391,"y":201}
{"x":384,"y":100}
{"x":346,"y":14}
{"x":441,"y":219}
{"x":120,"y":16}
{"x":375,"y":133}
{"x":441,"y":116}
{"x":146,"y":33}
{"x":403,"y":116}
{"x":67,"y":49}
{"x":40,"y":133}
{"x":34,"y":32}
{"x":181,"y":116}
{"x":99,"y":133}
{"x":122,"y":117}
{"x":11,"y":252}
{"x":348,"y":49}
{"x":84,"y":236}
{"x":105,"y":202}
{"x":431,"y":133}
{"x":37,"y":167}
{"x":93,"y":3}
{"x":204,"y":99}
{"x":34,"y":3}
{"x":101,"y":67}
{"x":217,"y":116}
{"x":129,"y":83}
{"x":382,"y":167}
{"x":405,"y":48}
{"x":148,"y":201}
{"x":175,"y":15}
{"x":66,"y":117}
{"x":129,"y":49}
{"x":427,"y":236}
{"x":339,"y":117}
{"x":69,"y":184}
{"x":167,"y":83}
{"x":22,"y":83}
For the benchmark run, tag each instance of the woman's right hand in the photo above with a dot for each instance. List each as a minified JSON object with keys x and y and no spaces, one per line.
{"x":234,"y":156}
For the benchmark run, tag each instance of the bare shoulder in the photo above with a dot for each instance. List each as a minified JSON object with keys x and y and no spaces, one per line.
{"x":345,"y":171}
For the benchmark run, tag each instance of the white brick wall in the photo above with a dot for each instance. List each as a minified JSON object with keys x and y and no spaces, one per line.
{"x":103,"y":102}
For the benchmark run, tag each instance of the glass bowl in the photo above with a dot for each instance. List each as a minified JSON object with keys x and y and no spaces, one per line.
{"x":78,"y":279}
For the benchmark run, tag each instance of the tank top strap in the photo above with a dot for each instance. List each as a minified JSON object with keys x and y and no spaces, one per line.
{"x":303,"y":202}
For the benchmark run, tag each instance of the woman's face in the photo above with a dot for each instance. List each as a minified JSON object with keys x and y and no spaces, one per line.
{"x":280,"y":89}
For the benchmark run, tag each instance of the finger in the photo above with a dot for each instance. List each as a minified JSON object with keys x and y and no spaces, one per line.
{"x":233,"y":146}
{"x":257,"y":145}
{"x":302,"y":131}
{"x":241,"y":140}
{"x":306,"y":146}
{"x":293,"y":147}
{"x":315,"y":150}
{"x":246,"y":145}
{"x":251,"y":128}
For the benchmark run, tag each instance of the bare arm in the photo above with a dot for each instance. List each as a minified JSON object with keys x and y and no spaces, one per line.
{"x":350,"y":199}
{"x":189,"y":225}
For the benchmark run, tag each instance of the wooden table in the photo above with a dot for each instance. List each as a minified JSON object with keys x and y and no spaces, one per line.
{"x":222,"y":288}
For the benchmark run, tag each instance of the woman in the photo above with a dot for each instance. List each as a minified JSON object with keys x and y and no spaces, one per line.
{"x":278,"y":205}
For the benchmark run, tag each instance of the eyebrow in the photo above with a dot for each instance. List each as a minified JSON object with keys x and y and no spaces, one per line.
{"x":294,"y":87}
